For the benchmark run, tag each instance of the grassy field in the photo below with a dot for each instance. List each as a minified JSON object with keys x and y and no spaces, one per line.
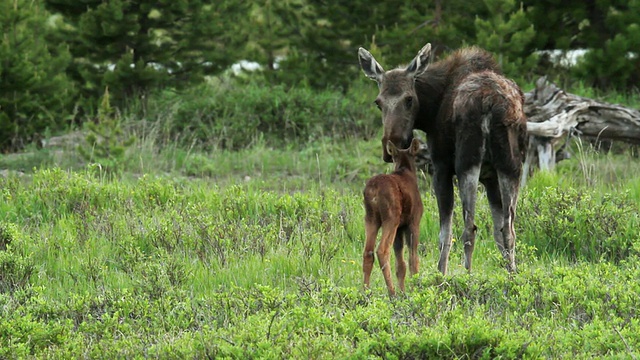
{"x":257,"y":254}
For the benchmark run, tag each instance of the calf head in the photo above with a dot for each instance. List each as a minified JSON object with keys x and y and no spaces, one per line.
{"x":397,"y":98}
{"x":404,"y":158}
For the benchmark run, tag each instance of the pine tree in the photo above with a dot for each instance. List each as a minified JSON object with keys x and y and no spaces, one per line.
{"x":614,"y":62}
{"x":35,"y":93}
{"x":447,"y":25}
{"x":105,"y":141}
{"x":137,"y":45}
{"x":507,"y":33}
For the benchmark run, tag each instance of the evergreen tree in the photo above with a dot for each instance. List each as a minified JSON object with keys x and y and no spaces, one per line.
{"x":507,"y":33}
{"x":133,"y":46}
{"x":105,"y":141}
{"x":615,"y":62}
{"x":273,"y":27}
{"x":558,"y":23}
{"x":447,"y":25}
{"x":35,"y":93}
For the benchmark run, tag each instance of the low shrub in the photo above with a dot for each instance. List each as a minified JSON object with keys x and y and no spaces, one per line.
{"x":234,"y":116}
{"x":578,"y":223}
{"x":15,"y":267}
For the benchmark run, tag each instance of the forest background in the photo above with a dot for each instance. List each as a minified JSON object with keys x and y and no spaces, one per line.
{"x":59,"y":57}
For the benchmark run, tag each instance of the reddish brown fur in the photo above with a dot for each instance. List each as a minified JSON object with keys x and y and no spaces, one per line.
{"x":392,"y":202}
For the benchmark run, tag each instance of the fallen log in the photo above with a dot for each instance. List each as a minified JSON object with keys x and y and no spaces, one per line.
{"x":555,"y":115}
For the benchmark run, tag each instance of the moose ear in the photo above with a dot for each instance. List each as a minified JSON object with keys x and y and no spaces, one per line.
{"x":369,"y":65}
{"x":419,"y":63}
{"x":415,"y":146}
{"x":391,"y":148}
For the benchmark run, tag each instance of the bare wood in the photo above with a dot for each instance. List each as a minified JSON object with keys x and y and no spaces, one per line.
{"x":552,"y":113}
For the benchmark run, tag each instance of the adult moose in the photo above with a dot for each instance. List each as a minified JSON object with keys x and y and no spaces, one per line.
{"x":476,"y":130}
{"x":392,"y":202}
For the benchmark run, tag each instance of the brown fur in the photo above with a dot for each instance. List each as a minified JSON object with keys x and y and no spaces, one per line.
{"x":476,"y":130}
{"x":392,"y":202}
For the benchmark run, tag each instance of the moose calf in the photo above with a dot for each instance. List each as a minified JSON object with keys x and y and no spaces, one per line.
{"x":392,"y":201}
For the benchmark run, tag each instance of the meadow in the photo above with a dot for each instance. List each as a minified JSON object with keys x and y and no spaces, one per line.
{"x":256,"y":253}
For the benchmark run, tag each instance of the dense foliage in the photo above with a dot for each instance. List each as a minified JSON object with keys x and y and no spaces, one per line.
{"x":35,"y":93}
{"x":59,"y":53}
{"x":133,"y":47}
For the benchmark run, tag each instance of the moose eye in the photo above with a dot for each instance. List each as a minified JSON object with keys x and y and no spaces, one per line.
{"x":408,"y":101}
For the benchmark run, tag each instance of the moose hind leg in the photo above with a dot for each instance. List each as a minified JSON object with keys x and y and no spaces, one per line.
{"x":443,"y":186}
{"x":468,"y":186}
{"x":412,"y":240}
{"x":509,"y":188}
{"x":495,"y":203}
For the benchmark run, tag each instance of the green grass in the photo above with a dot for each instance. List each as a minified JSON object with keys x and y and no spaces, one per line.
{"x":257,"y":254}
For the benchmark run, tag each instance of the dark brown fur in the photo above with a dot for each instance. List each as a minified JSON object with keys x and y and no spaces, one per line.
{"x":392,"y":202}
{"x":476,"y":130}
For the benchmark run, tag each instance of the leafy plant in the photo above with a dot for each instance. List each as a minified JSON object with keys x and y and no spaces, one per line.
{"x":15,"y":267}
{"x":579,"y":224}
{"x":105,"y":140}
{"x":238,"y":116}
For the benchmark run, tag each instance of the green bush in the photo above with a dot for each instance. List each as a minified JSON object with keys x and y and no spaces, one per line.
{"x":234,"y":116}
{"x":105,"y":142}
{"x":15,"y":267}
{"x":186,"y":268}
{"x":578,"y":223}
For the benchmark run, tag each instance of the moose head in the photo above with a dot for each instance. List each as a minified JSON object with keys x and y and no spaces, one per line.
{"x":397,"y":98}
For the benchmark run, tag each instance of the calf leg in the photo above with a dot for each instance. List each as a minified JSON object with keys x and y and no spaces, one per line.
{"x":384,"y":252}
{"x":401,"y":265}
{"x":412,"y":243}
{"x":371,"y":230}
{"x":468,"y":185}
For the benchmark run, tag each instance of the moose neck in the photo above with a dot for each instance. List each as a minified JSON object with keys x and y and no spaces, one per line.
{"x":431,"y":87}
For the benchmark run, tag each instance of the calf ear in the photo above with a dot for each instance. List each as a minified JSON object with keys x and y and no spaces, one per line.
{"x":369,"y":65}
{"x":391,"y":148}
{"x":419,"y":63}
{"x":415,"y":146}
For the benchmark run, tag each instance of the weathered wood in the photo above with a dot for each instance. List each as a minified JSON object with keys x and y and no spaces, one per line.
{"x":553,"y":113}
